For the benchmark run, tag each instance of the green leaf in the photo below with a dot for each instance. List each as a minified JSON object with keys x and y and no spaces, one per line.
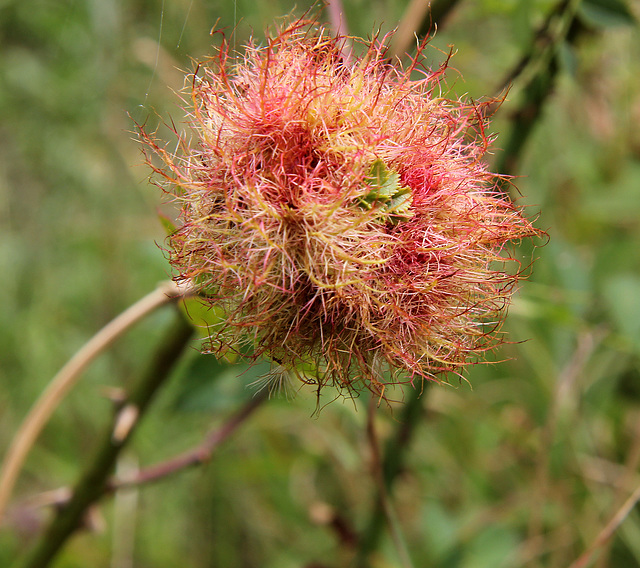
{"x":400,"y":201}
{"x":166,"y":223}
{"x":606,"y":13}
{"x":212,"y":385}
{"x":386,"y":193}
{"x":382,"y":181}
{"x":202,"y":314}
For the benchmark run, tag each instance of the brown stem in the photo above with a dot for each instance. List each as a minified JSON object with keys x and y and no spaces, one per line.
{"x":91,"y":485}
{"x":69,"y":375}
{"x":609,"y":530}
{"x":420,"y":19}
{"x":196,"y":456}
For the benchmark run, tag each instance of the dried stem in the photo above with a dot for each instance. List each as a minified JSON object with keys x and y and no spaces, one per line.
{"x":196,"y":456}
{"x":420,"y":18}
{"x":91,"y":485}
{"x":69,"y":375}
{"x":609,"y":530}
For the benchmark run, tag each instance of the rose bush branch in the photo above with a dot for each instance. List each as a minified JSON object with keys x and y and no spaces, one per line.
{"x":541,"y":83}
{"x":387,"y":466}
{"x":92,"y":483}
{"x":68,"y":376}
{"x":195,"y":456}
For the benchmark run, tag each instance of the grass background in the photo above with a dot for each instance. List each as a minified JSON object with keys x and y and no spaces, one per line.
{"x":522,"y":469}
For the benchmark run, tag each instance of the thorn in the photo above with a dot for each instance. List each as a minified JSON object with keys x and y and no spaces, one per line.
{"x":125,"y":421}
{"x":116,"y":395}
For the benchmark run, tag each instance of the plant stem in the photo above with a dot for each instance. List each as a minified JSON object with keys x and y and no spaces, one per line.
{"x":195,"y":456}
{"x":70,"y":373}
{"x":337,"y":18}
{"x":390,"y":466}
{"x":606,"y":534}
{"x":92,"y":484}
{"x":540,"y":86}
{"x":383,"y":490}
{"x":420,"y":18}
{"x":547,"y":36}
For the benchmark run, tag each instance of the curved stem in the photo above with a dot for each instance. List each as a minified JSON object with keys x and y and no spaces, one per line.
{"x":70,"y":373}
{"x":91,"y":485}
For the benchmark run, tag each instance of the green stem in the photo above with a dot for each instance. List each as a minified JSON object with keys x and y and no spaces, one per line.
{"x":92,"y":484}
{"x":526,"y":116}
{"x":392,"y":464}
{"x":540,"y":86}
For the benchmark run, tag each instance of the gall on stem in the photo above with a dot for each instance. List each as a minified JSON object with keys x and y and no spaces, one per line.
{"x":337,"y":215}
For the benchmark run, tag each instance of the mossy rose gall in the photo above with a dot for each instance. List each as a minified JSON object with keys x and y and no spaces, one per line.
{"x":338,"y":214}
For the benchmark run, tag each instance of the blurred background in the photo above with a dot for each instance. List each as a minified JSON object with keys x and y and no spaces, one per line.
{"x":522,"y":466}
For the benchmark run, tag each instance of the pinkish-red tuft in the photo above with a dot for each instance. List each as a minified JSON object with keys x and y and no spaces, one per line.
{"x":337,"y":213}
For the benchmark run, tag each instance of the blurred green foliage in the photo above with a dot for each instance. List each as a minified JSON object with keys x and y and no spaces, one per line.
{"x":524,"y":468}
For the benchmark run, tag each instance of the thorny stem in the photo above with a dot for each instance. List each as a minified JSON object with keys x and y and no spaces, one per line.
{"x":386,"y":469}
{"x":91,"y":485}
{"x":70,"y":373}
{"x":547,"y":36}
{"x":196,"y":456}
{"x":540,"y":86}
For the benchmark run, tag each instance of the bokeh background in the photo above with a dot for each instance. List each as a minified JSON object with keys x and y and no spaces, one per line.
{"x":521,"y":466}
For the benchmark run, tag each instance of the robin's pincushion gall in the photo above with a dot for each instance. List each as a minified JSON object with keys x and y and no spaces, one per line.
{"x":337,"y":212}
